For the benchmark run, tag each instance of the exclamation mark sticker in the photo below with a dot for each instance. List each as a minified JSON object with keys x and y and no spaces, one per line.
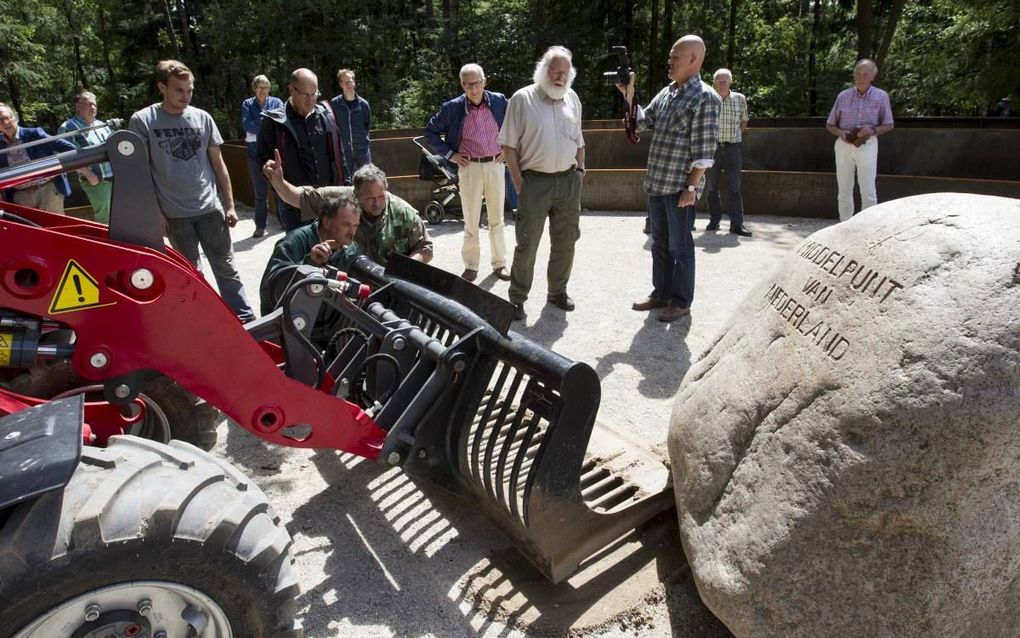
{"x":77,"y":286}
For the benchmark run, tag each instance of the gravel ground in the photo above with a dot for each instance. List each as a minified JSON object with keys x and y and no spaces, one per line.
{"x":381,"y":556}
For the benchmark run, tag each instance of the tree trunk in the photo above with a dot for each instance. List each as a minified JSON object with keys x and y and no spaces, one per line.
{"x":430,"y":13}
{"x":170,"y":27}
{"x":732,"y":35}
{"x":864,"y":33}
{"x":653,"y":50}
{"x":895,"y":11}
{"x":628,"y":24}
{"x":182,"y":15}
{"x":667,"y":26}
{"x":539,"y":28}
{"x":812,"y":46}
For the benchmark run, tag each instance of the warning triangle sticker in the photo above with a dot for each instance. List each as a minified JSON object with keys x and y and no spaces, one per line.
{"x":77,"y":290}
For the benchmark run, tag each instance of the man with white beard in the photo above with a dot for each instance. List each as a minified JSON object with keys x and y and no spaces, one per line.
{"x":544,"y":150}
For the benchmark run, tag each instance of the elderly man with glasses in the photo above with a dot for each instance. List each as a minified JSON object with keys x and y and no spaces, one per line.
{"x":306,"y":135}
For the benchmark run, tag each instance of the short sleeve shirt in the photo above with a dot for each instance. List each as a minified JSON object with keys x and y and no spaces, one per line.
{"x":545,"y":132}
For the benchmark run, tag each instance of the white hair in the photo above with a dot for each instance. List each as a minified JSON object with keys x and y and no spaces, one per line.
{"x":554,"y":53}
{"x":471,"y":67}
{"x":726,"y":72}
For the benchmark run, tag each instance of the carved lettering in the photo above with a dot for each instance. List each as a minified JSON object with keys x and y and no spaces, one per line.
{"x":822,"y":335}
{"x":861,"y":278}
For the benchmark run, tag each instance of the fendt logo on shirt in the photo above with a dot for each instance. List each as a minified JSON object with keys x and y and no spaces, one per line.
{"x":180,"y":142}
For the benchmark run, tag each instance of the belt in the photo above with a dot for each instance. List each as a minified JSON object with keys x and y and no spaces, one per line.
{"x":560,"y":174}
{"x":101,"y":179}
{"x":483,"y":160}
{"x":727,"y":143}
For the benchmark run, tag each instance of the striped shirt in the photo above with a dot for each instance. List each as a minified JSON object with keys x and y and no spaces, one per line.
{"x":480,"y":135}
{"x":852,"y":110}
{"x":732,"y":117}
{"x":685,"y":130}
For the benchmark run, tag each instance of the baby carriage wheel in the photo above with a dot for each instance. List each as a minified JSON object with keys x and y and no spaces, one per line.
{"x":434,"y":212}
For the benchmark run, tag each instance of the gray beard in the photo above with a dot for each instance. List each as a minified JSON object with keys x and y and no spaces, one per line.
{"x":553,"y":91}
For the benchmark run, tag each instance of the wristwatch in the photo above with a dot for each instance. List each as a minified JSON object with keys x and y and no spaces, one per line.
{"x":691,"y":187}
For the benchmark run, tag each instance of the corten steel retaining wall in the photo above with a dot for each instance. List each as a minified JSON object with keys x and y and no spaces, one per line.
{"x":788,"y":163}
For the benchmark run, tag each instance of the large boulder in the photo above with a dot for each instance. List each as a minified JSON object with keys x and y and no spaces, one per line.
{"x":846,"y":455}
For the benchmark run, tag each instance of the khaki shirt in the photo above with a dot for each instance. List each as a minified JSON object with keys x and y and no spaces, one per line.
{"x":545,"y":132}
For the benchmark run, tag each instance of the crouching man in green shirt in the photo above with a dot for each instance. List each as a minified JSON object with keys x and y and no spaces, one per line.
{"x":388,"y":223}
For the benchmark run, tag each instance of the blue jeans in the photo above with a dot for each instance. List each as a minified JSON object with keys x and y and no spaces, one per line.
{"x":290,"y":217}
{"x":258,"y":181}
{"x":210,"y":230}
{"x":727,"y":160}
{"x":672,"y":250}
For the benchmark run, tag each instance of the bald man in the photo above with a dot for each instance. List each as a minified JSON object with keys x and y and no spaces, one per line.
{"x":306,"y":135}
{"x":684,"y":118}
{"x":860,"y":114}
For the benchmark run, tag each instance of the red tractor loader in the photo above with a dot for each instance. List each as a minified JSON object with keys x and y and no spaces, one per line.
{"x":106,"y":529}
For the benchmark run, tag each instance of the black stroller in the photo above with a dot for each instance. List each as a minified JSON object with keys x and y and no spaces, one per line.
{"x":445,"y":200}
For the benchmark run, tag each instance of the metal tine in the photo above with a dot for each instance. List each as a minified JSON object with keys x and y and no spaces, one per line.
{"x":504,"y":454}
{"x":614,"y":498}
{"x":493,"y":472}
{"x":605,"y":484}
{"x":515,"y":386}
{"x":517,"y":500}
{"x":494,"y":401}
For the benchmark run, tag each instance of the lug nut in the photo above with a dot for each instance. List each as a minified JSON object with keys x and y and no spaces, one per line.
{"x":92,"y":612}
{"x":98,"y":360}
{"x":144,"y":606}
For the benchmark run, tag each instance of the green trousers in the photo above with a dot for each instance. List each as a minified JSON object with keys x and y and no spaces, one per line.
{"x":558,"y":197}
{"x":99,"y":197}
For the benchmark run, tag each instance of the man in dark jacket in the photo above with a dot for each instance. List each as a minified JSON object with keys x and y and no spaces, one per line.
{"x":306,"y":135}
{"x":328,"y":241}
{"x":46,"y":194}
{"x":354,"y":120}
{"x":466,"y":132}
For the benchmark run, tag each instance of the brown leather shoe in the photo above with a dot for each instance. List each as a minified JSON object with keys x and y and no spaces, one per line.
{"x":672,"y":313}
{"x":502,"y":273}
{"x":469,"y":274}
{"x":647,"y":304}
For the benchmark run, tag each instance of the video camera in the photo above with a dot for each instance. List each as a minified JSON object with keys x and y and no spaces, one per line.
{"x":622,"y":73}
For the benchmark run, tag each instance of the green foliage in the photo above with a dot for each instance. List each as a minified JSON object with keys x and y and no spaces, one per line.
{"x":947,"y":57}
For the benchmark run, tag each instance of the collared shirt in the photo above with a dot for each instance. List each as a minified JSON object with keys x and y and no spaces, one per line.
{"x":480,"y":135}
{"x":685,"y":132}
{"x":852,"y":110}
{"x":20,"y":156}
{"x":732,"y":117}
{"x":94,"y":137}
{"x":251,"y":115}
{"x":399,"y":228}
{"x":545,"y":132}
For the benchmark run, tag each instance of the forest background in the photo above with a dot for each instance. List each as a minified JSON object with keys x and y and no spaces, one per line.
{"x":790,"y":57}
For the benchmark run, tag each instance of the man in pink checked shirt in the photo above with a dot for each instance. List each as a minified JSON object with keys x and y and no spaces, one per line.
{"x":466,"y":132}
{"x":858,"y":117}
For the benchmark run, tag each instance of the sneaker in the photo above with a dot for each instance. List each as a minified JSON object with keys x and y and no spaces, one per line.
{"x":740,"y":230}
{"x":647,"y":304}
{"x":519,"y":314}
{"x":672,"y":313}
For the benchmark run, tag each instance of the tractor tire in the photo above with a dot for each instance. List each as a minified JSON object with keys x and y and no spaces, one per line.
{"x":147,"y":538}
{"x":434,"y":212}
{"x":191,"y":419}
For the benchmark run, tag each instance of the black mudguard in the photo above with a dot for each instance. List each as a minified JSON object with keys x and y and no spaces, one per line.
{"x":39,"y":449}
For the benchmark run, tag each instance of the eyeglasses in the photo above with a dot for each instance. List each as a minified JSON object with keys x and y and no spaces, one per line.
{"x":6,"y":118}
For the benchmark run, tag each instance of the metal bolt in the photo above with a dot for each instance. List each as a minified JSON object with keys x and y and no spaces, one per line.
{"x":393,"y":458}
{"x":125,"y":148}
{"x":121,"y":391}
{"x":399,"y":343}
{"x":422,"y":453}
{"x":315,"y":289}
{"x":98,"y":360}
{"x":92,"y":612}
{"x":459,"y":365}
{"x":142,"y":279}
{"x":144,"y":606}
{"x":299,"y":323}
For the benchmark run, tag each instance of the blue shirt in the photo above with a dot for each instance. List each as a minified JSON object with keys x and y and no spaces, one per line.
{"x":95,"y":137}
{"x":251,"y":114}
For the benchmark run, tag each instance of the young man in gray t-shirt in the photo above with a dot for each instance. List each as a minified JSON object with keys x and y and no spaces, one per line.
{"x":191,"y":180}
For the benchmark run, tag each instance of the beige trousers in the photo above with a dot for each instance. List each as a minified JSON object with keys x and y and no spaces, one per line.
{"x":479,"y":179}
{"x":44,"y":197}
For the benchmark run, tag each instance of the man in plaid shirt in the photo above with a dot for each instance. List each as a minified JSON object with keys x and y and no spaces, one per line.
{"x":684,"y":118}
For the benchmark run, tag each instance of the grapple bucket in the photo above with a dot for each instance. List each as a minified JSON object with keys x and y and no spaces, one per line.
{"x":514,"y":425}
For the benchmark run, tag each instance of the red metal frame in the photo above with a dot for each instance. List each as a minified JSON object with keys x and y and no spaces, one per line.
{"x":178,"y":326}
